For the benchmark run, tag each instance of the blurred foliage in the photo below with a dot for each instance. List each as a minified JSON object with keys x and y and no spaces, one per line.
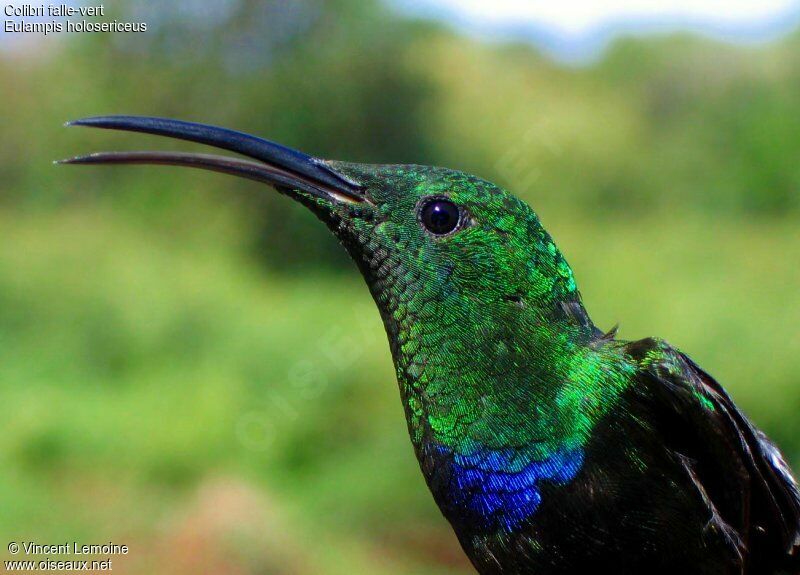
{"x":190,"y":366}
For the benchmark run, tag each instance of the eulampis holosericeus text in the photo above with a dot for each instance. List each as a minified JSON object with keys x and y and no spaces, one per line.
{"x":74,"y":548}
{"x":52,"y":27}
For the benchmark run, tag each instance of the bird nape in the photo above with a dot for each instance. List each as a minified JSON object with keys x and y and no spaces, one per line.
{"x":549,"y":446}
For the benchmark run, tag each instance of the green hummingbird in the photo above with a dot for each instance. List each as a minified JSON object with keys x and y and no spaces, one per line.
{"x":550,"y":446}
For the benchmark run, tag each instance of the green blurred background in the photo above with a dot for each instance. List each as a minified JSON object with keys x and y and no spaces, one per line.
{"x":189,"y":365}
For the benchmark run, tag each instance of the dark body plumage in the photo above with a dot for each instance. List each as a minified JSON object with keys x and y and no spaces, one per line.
{"x":551,"y":448}
{"x":669,"y":485}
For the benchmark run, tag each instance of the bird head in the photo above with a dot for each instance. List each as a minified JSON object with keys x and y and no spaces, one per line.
{"x":478,"y":303}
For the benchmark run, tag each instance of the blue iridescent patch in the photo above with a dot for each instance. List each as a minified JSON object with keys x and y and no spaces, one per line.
{"x":501,"y":490}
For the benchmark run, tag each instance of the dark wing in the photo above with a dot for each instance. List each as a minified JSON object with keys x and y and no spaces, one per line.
{"x":737,"y":467}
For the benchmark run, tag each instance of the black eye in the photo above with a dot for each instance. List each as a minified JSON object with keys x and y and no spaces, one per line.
{"x":440,"y":216}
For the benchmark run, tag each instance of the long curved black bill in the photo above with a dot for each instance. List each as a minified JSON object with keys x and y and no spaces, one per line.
{"x":276,"y":165}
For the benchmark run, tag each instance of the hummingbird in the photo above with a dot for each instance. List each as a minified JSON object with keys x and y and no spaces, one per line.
{"x":550,"y":446}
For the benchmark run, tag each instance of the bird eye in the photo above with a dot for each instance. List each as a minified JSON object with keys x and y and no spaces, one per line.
{"x":440,"y":216}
